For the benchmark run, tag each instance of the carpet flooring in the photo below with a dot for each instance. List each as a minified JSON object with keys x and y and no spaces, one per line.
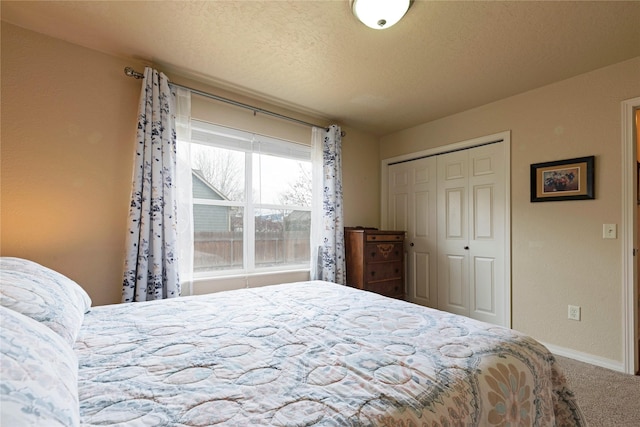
{"x":607,"y":398}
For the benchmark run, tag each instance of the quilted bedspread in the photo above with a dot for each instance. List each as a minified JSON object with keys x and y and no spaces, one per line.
{"x":311,"y":353}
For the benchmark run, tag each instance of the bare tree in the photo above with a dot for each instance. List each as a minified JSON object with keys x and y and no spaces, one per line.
{"x":222,"y":169}
{"x":299,"y":192}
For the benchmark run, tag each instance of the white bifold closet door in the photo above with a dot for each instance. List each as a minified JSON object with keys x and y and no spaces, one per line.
{"x":412,"y":207}
{"x":453,"y":208}
{"x":471,"y":233}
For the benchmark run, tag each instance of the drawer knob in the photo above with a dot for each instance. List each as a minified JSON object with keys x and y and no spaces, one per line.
{"x":373,"y":273}
{"x":373,"y":254}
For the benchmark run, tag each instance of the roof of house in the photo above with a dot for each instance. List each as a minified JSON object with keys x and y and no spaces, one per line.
{"x":205,"y":187}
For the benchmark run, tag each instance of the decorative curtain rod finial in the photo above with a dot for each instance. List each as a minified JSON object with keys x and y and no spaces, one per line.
{"x":133,"y":73}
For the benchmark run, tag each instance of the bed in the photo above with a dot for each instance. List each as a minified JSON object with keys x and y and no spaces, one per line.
{"x":299,"y":354}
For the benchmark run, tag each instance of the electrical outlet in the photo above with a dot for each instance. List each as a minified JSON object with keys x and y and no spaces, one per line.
{"x":574,"y":312}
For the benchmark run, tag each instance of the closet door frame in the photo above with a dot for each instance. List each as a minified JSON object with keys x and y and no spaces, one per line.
{"x":505,"y":137}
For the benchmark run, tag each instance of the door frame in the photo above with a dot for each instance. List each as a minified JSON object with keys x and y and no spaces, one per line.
{"x":629,"y":238}
{"x":505,"y":136}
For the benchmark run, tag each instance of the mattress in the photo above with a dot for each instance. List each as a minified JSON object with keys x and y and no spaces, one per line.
{"x":310,"y":353}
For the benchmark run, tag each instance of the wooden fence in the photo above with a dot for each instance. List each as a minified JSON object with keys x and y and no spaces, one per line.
{"x":223,"y":250}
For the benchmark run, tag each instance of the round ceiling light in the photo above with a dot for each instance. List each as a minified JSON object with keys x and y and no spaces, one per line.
{"x":379,"y":14}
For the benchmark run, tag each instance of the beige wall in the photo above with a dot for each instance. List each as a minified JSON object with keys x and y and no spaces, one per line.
{"x":558,"y":254}
{"x":68,"y":126}
{"x":68,"y":123}
{"x":67,"y":144}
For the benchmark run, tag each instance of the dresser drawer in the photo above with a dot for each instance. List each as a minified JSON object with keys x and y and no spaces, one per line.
{"x":390,"y":288}
{"x":385,"y":237}
{"x":383,"y":251}
{"x":383,"y":271}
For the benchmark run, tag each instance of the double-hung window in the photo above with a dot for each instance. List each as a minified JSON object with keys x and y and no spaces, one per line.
{"x":251,"y":202}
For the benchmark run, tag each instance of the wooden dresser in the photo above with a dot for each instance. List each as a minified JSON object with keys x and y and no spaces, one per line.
{"x":375,"y":260}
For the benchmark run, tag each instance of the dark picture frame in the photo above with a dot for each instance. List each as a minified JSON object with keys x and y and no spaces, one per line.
{"x":570,"y":179}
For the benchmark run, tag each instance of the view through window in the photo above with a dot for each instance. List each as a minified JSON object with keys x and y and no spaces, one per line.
{"x":251,"y":201}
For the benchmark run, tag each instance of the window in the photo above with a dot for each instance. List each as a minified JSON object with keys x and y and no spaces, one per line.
{"x":251,"y":201}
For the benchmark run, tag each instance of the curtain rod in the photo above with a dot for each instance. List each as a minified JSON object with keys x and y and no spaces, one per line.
{"x":136,"y":75}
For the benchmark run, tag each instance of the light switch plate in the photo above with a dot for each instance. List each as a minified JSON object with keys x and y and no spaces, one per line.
{"x":609,"y":231}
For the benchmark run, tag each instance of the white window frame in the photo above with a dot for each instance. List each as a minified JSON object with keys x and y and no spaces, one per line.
{"x":224,"y":137}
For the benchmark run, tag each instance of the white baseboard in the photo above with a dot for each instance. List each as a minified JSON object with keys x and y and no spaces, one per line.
{"x":614,"y":365}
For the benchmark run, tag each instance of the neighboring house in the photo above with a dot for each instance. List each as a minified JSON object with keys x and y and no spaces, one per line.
{"x":298,"y":221}
{"x":216,"y":246}
{"x":208,"y":218}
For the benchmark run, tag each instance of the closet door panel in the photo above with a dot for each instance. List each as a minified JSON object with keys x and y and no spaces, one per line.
{"x":422,"y":237}
{"x":422,"y":274}
{"x":400,"y":217}
{"x":454,"y":289}
{"x":415,"y":181}
{"x":483,"y":212}
{"x":398,"y":198}
{"x":453,"y":233}
{"x":484,"y":288}
{"x":487,"y":246}
{"x":455,"y":213}
{"x":422,"y":214}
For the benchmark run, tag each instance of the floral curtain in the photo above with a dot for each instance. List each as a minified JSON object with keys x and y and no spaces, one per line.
{"x":151,"y":268}
{"x":327,"y":229}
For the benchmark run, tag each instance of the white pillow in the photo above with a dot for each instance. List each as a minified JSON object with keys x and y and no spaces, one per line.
{"x":39,"y":385}
{"x":44,"y":295}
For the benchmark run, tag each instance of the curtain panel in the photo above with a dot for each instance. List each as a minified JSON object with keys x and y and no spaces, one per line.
{"x":151,"y":268}
{"x":327,"y":228}
{"x":184,"y":190}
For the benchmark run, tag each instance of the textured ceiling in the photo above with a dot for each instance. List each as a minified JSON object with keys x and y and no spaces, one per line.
{"x":443,"y":57}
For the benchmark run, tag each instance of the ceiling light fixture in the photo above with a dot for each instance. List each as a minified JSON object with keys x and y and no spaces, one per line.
{"x":379,"y":14}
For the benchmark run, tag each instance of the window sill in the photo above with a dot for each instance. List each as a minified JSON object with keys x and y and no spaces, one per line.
{"x":206,"y":285}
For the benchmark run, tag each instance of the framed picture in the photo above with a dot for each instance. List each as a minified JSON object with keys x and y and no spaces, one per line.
{"x":570,"y":179}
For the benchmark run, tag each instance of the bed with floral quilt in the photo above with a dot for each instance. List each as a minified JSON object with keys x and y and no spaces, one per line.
{"x":300,"y":354}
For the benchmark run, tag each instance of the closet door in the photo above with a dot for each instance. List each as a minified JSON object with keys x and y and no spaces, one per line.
{"x":471,"y":233}
{"x":453,"y":233}
{"x":487,"y":234}
{"x":412,"y":207}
